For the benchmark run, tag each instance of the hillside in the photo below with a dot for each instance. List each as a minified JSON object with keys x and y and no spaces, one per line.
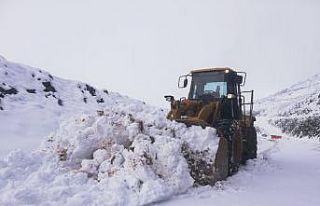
{"x":34,"y":102}
{"x":296,"y":110}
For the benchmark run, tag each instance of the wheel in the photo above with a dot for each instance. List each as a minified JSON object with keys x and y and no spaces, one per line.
{"x":231,"y":141}
{"x":236,"y":156}
{"x":221,"y":164}
{"x":249,"y":144}
{"x":253,"y":143}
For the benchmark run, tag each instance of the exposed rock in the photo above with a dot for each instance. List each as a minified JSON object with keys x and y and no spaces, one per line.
{"x":48,"y":87}
{"x":91,"y":90}
{"x":33,"y":91}
{"x":101,"y":100}
{"x":10,"y":91}
{"x":60,"y":102}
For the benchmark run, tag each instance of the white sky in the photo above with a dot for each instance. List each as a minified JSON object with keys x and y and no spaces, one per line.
{"x":140,"y":47}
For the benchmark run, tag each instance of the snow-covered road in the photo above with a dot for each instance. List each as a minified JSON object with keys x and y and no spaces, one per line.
{"x":287,"y":174}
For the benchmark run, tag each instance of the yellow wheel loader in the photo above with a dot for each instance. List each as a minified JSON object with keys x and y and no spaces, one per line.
{"x":215,"y":100}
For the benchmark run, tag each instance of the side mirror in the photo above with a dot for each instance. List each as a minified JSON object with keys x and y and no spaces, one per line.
{"x":183,"y":82}
{"x":169,"y":98}
{"x":241,"y":79}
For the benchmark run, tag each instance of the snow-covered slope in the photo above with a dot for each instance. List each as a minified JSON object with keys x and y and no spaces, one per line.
{"x":296,"y":109}
{"x":112,"y":151}
{"x":33,"y":102}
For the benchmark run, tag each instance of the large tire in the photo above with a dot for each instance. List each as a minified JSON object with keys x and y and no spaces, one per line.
{"x":229,"y":153}
{"x":221,"y":164}
{"x":249,"y":144}
{"x":237,"y":152}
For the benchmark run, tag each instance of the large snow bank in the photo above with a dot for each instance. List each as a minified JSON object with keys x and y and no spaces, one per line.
{"x":126,"y":154}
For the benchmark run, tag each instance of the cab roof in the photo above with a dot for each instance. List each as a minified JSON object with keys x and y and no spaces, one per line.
{"x":218,"y":69}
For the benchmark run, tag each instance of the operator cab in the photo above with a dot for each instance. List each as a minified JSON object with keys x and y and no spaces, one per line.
{"x":216,"y":84}
{"x":211,"y":84}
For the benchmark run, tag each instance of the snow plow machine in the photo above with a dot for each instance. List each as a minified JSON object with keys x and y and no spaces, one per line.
{"x":215,"y":100}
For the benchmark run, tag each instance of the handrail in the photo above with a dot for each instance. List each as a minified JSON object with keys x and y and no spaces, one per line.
{"x":249,"y":103}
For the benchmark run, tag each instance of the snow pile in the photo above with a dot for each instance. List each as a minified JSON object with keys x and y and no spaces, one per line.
{"x":126,"y":154}
{"x":295,"y":110}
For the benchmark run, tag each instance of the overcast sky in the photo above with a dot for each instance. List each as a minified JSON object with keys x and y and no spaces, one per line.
{"x":140,"y":47}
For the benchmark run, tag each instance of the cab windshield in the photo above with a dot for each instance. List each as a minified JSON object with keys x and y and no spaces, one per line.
{"x":208,"y":85}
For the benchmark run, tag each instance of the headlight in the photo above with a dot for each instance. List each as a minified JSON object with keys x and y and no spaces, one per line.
{"x":231,"y":96}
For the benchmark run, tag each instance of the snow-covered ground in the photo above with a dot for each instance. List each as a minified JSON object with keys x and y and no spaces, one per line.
{"x":120,"y":151}
{"x":286,"y":172}
{"x":288,"y":175}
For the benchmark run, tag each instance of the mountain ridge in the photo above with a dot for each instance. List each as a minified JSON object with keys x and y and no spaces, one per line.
{"x":33,"y":103}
